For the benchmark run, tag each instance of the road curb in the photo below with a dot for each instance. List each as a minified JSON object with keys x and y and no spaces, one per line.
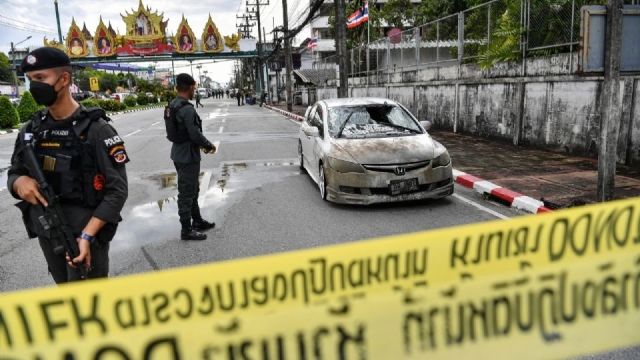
{"x":285,"y":113}
{"x":135,"y":110}
{"x":3,"y":132}
{"x":497,"y":192}
{"x":483,"y":187}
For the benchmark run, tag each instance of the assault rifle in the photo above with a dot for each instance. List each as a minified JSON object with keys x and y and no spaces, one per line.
{"x":53,"y":218}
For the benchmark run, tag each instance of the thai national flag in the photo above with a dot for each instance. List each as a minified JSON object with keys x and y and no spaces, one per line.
{"x":313,"y":43}
{"x":358,"y":17}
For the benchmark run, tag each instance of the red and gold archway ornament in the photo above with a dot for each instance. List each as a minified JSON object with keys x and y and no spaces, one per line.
{"x":185,"y":40}
{"x":211,"y":38}
{"x":104,"y":43}
{"x":145,"y":33}
{"x":76,"y":43}
{"x":53,"y":43}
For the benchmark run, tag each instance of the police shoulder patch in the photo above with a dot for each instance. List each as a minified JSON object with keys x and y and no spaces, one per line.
{"x":116,"y":150}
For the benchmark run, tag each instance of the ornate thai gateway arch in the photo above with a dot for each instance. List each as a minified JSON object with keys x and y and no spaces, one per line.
{"x":147,"y":39}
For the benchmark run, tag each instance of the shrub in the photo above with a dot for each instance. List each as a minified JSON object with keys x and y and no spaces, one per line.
{"x":88,"y":103}
{"x":142,"y":99}
{"x":130,"y":101}
{"x":27,"y":106}
{"x":169,"y":95}
{"x":121,"y":106}
{"x":153,"y":99}
{"x":110,"y":105}
{"x":8,"y":114}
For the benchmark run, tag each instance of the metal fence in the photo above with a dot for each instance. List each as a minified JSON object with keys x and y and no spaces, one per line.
{"x":499,"y":30}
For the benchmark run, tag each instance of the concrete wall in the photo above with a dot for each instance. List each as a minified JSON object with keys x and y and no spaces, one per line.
{"x":550,"y":107}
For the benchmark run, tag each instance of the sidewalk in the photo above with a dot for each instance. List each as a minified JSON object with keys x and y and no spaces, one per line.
{"x":560,"y":179}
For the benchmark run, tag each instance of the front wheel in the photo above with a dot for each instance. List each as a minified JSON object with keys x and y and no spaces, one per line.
{"x":301,"y":157}
{"x":322,"y":183}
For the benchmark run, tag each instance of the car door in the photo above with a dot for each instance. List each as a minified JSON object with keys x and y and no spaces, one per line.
{"x":308,"y":141}
{"x":319,"y":121}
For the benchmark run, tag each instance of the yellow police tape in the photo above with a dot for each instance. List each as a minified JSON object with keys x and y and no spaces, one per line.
{"x":548,"y":285}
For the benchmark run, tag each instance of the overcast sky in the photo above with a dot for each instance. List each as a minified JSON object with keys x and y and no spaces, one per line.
{"x":37,"y":18}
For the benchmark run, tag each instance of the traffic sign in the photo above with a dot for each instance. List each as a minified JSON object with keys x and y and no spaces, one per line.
{"x":93,"y":82}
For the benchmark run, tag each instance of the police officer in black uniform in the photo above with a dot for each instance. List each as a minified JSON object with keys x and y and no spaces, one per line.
{"x":82,"y":158}
{"x":186,"y":159}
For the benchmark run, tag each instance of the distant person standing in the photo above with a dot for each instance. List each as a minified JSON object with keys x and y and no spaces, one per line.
{"x":228,"y":93}
{"x":198,"y":99}
{"x":238,"y":96}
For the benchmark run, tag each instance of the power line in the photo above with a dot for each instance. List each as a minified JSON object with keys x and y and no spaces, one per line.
{"x":2,"y":23}
{"x":26,"y":23}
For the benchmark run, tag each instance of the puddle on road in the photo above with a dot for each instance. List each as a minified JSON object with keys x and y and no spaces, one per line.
{"x":4,"y":176}
{"x":157,"y":221}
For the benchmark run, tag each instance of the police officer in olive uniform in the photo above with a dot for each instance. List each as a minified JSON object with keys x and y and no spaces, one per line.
{"x":83,"y":160}
{"x":186,"y":159}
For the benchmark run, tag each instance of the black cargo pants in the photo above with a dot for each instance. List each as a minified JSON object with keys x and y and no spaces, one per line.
{"x":188,"y":192}
{"x":63,"y":273}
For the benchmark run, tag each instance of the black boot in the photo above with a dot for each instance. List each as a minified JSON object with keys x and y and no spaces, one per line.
{"x":202,"y":224}
{"x":191,"y":234}
{"x":188,"y":232}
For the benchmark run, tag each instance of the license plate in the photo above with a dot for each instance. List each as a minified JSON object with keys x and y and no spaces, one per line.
{"x":398,"y":187}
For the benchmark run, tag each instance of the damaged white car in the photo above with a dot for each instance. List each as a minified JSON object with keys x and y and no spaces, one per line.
{"x":371,"y":150}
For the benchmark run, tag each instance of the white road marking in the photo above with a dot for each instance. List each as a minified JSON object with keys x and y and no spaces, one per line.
{"x":155,"y":123}
{"x":220,"y":130}
{"x":224,"y":120}
{"x":135,"y":132}
{"x":483,"y":208}
{"x":204,"y":185}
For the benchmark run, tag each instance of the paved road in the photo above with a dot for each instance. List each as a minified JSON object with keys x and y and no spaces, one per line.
{"x":255,"y":192}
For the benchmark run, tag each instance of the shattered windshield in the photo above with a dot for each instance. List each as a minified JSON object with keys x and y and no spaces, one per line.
{"x":379,"y":120}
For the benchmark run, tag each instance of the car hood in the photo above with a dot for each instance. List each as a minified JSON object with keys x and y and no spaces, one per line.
{"x":389,"y":150}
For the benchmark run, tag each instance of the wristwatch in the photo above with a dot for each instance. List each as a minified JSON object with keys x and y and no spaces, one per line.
{"x":89,"y":238}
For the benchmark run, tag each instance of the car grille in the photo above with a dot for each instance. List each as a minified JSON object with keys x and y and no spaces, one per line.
{"x":392,"y":167}
{"x":421,"y":188}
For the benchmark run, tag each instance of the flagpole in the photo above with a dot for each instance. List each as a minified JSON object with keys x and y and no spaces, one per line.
{"x":368,"y":21}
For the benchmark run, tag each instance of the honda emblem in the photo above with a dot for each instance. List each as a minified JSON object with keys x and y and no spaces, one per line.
{"x":399,"y":170}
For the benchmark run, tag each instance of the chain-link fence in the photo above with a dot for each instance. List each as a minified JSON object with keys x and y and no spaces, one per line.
{"x":499,"y":30}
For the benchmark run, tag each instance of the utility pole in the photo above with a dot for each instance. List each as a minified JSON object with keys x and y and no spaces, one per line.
{"x":257,"y":5}
{"x":244,"y":27}
{"x":341,"y":47}
{"x":287,"y":54}
{"x":14,"y":65}
{"x":611,"y":111}
{"x":58,"y":21}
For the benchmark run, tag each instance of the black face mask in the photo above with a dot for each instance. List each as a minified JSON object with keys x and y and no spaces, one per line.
{"x":44,"y":93}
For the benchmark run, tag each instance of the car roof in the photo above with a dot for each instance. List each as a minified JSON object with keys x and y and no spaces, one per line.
{"x":332,"y":103}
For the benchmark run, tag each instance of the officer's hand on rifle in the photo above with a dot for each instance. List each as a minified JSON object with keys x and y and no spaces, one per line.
{"x":28,"y":189}
{"x":85,"y":254}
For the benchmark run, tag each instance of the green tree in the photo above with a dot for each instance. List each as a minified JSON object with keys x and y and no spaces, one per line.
{"x":28,"y":106}
{"x":8,"y":114}
{"x":5,"y":68}
{"x":399,"y":13}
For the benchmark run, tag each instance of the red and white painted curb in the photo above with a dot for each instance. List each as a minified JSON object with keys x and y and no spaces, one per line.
{"x":515,"y":200}
{"x":285,"y":113}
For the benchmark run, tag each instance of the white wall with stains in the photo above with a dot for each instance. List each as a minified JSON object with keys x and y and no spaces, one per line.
{"x":550,"y":107}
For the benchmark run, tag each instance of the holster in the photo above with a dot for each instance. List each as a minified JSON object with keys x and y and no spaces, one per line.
{"x":25,"y":209}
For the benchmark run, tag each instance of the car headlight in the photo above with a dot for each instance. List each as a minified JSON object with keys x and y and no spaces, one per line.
{"x":442,"y":160}
{"x":345,"y":166}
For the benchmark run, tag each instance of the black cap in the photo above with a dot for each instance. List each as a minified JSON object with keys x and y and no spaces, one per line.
{"x":44,"y":58}
{"x":185,"y":79}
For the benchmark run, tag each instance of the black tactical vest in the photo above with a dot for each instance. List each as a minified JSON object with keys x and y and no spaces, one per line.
{"x":66,"y":158}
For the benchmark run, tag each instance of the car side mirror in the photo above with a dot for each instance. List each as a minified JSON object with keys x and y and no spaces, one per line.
{"x":311,"y":131}
{"x":426,"y":124}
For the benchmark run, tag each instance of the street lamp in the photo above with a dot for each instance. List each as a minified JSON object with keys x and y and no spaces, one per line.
{"x":13,"y":61}
{"x":199,"y":75}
